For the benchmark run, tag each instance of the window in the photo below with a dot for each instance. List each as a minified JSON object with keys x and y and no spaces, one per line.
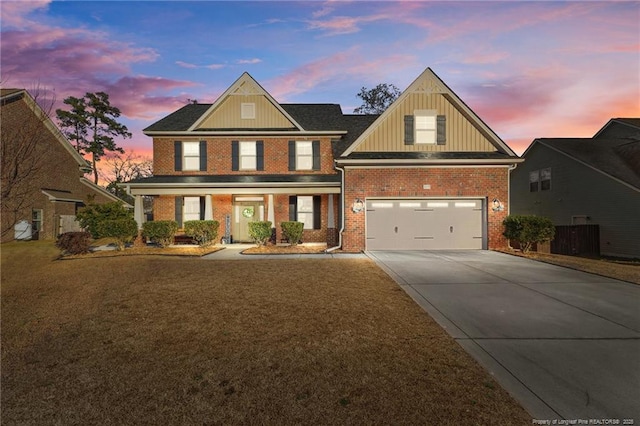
{"x":425,"y":126}
{"x":191,"y":155}
{"x":248,"y":156}
{"x":247,"y":111}
{"x":545,"y":179}
{"x":304,"y":155}
{"x":305,"y":209}
{"x":534,"y":177}
{"x":36,"y":220}
{"x":191,"y":209}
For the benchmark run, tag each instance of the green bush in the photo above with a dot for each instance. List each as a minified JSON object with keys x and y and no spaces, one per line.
{"x":74,"y":242}
{"x":204,"y":232}
{"x":527,"y":230}
{"x":260,"y":232}
{"x":90,"y":216}
{"x":292,"y":231}
{"x":124,"y":230}
{"x":160,"y":232}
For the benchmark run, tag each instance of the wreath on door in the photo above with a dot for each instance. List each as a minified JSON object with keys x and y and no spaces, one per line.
{"x":248,"y":212}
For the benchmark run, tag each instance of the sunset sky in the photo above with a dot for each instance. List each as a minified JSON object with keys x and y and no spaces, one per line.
{"x":528,"y":69}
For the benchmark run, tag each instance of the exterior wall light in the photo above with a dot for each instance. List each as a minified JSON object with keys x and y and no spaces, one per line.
{"x":496,"y":205}
{"x":358,"y":205}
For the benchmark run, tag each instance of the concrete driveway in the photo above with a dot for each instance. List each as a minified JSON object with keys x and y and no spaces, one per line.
{"x":564,"y":343}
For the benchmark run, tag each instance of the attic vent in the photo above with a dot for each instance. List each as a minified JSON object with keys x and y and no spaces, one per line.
{"x":248,"y":111}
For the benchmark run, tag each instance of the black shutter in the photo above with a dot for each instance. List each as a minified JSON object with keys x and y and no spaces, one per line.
{"x":408,"y":129}
{"x":441,"y":129}
{"x":316,"y":154}
{"x":235,"y":156}
{"x":292,"y":155}
{"x":202,"y":207}
{"x":203,"y":156}
{"x":179,"y":202}
{"x":317,"y":219}
{"x":293,"y":208}
{"x":177,"y":156}
{"x":260,"y":155}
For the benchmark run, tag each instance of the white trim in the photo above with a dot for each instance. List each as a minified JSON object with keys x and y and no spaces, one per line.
{"x":244,"y":78}
{"x":53,"y":198}
{"x":418,"y":163}
{"x":253,"y":133}
{"x":189,"y":190}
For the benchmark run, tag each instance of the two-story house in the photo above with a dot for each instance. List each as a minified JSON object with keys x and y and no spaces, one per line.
{"x":428,"y":173}
{"x":43,"y":182}
{"x":586,"y":181}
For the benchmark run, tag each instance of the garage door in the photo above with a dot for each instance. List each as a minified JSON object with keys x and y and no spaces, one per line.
{"x":424,"y":224}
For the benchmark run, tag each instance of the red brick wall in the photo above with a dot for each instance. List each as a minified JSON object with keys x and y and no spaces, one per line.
{"x":481,"y":182}
{"x":276,"y":156}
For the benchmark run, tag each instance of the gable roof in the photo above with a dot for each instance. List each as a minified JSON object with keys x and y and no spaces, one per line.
{"x":9,"y":95}
{"x":616,"y":158}
{"x":245,"y":84}
{"x":429,"y":82}
{"x":620,"y":127}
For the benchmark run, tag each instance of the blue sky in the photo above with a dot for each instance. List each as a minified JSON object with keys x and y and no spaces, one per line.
{"x":528,"y":69}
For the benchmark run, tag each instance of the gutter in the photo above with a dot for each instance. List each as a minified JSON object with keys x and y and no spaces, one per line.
{"x":342,"y":211}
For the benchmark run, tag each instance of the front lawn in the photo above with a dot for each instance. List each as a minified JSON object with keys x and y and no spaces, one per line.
{"x":178,"y":340}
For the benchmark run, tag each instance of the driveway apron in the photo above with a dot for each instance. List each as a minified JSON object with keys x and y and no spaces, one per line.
{"x":564,"y":343}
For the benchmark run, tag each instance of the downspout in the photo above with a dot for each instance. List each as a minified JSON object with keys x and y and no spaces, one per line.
{"x":511,"y":168}
{"x":342,"y":211}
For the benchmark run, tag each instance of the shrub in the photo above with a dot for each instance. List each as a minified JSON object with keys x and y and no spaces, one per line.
{"x":260,"y":232}
{"x":204,"y":232}
{"x":74,"y":242}
{"x":527,"y":230}
{"x":292,"y":231}
{"x":124,"y":230}
{"x":160,"y":232}
{"x":90,"y":216}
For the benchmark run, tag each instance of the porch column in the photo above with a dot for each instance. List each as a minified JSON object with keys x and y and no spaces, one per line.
{"x":270,"y":213}
{"x":138,"y":211}
{"x":208,"y":207}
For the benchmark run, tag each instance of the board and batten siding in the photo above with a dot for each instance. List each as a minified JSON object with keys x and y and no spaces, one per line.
{"x":227,"y":115}
{"x":462,"y":136}
{"x":578,"y":190}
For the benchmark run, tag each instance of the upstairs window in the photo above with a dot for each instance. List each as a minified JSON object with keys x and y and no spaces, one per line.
{"x":425,"y":127}
{"x":247,"y":155}
{"x":304,"y":155}
{"x":545,"y":179}
{"x":534,"y":179}
{"x":190,"y":156}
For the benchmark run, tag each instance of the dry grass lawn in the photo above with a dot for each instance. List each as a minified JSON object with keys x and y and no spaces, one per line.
{"x":179,"y":340}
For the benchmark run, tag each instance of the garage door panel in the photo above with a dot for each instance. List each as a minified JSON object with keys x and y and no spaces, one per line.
{"x":424,"y":224}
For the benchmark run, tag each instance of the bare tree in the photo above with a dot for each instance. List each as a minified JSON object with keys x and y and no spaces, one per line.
{"x":378,"y":99}
{"x":26,"y":128}
{"x":123,"y":167}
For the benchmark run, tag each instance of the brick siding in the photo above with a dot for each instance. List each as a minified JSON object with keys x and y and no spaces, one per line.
{"x":481,"y":182}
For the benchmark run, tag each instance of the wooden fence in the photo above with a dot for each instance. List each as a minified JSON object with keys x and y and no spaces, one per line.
{"x":577,"y":240}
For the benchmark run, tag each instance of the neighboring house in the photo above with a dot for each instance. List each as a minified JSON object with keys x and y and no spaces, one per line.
{"x":425,"y":174}
{"x":581,"y":181}
{"x":42,"y":176}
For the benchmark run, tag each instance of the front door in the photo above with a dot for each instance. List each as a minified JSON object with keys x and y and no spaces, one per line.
{"x":246,"y":210}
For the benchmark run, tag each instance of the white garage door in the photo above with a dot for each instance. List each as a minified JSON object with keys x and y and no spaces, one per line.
{"x":433,"y":224}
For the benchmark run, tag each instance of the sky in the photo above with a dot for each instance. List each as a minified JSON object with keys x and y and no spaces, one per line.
{"x":528,"y":69}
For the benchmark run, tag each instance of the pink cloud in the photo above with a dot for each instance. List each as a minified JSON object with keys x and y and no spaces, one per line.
{"x":347,"y":65}
{"x":339,"y":25}
{"x":14,"y":13}
{"x":248,"y":61}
